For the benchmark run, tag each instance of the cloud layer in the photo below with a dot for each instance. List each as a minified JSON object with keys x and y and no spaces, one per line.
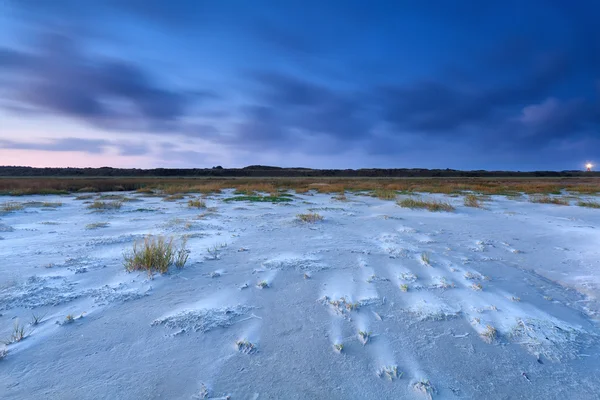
{"x":388,"y":84}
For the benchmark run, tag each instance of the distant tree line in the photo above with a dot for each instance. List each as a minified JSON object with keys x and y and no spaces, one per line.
{"x":268,"y":171}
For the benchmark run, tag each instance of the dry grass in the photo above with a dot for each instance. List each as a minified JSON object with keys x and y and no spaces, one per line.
{"x":17,"y":334}
{"x":590,"y":204}
{"x":310,"y":217}
{"x":174,"y":185}
{"x":11,"y":206}
{"x":156,"y":254}
{"x":489,"y":334}
{"x":97,"y":225}
{"x":105,"y":205}
{"x":550,"y":200}
{"x":196,"y":203}
{"x":472,"y":200}
{"x":431,"y":205}
{"x":385,"y":194}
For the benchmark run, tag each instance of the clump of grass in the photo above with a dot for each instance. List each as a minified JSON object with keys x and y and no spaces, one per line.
{"x":155,"y":254}
{"x":489,"y":334}
{"x":69,"y":319}
{"x":472,"y":200}
{"x":3,"y":353}
{"x":182,"y":254}
{"x":364,"y":337}
{"x":515,"y":299}
{"x":260,"y":199}
{"x":404,"y":287}
{"x":385,"y":194}
{"x":50,"y":204}
{"x":11,"y":206}
{"x":310,"y":217}
{"x":36,"y":319}
{"x":97,"y":225}
{"x":105,"y":205}
{"x":425,"y":387}
{"x":425,"y":259}
{"x":341,"y":197}
{"x":338,"y":347}
{"x":477,"y":287}
{"x":550,"y":200}
{"x":17,"y":334}
{"x":590,"y":204}
{"x":390,"y":372}
{"x":262,"y":285}
{"x":196,"y":203}
{"x":244,"y":346}
{"x":174,"y":197}
{"x":431,"y":205}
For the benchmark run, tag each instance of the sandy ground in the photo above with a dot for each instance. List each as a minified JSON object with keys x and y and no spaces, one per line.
{"x":531,"y":272}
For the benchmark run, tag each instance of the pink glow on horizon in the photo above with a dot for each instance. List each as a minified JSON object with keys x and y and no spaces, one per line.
{"x":39,"y":158}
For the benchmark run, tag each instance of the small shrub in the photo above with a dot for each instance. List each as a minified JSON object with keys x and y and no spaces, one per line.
{"x":244,"y":346}
{"x":310,"y":217}
{"x":196,"y":204}
{"x":262,"y":285}
{"x":404,"y":287}
{"x":364,"y":337}
{"x":431,"y":205}
{"x":590,"y":204}
{"x":338,"y":347}
{"x":155,"y":254}
{"x":477,"y":287}
{"x":105,"y":205}
{"x":425,"y":259}
{"x":550,"y":200}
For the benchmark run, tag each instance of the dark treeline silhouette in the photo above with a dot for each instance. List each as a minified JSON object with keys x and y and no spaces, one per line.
{"x":268,"y":171}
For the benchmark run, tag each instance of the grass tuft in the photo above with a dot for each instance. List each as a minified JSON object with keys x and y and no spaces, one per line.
{"x":385,"y":194}
{"x":260,"y":199}
{"x":489,"y":334}
{"x":310,"y":217}
{"x":11,"y":206}
{"x":431,"y":205}
{"x":97,"y":225}
{"x":472,"y":200}
{"x":17,"y":334}
{"x":590,"y":204}
{"x":550,"y":200}
{"x":196,"y":203}
{"x":105,"y":205}
{"x":156,"y":254}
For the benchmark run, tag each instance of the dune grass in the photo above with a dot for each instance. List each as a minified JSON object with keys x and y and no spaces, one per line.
{"x":260,"y":199}
{"x":472,"y":200}
{"x":559,"y":201}
{"x":310,"y":217}
{"x":97,"y":225}
{"x":589,"y":204}
{"x":197,"y":203}
{"x":156,"y":254}
{"x":385,"y":194}
{"x":431,"y":205}
{"x":11,"y":206}
{"x":105,"y":205}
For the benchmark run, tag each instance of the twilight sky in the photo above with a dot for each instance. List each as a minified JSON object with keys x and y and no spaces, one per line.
{"x":459,"y":84}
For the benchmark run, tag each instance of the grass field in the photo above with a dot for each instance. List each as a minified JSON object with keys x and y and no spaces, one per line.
{"x":249,"y":186}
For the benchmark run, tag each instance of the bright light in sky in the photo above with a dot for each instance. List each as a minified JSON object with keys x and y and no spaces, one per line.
{"x":589,"y":165}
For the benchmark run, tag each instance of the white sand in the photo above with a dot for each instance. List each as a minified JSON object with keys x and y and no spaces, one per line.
{"x":175,"y":336}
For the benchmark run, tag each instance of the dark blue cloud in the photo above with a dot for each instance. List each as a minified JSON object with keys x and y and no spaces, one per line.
{"x":512,"y":78}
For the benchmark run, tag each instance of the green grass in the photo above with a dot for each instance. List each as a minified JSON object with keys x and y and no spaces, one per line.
{"x":590,"y":204}
{"x":431,"y":205}
{"x":260,"y":199}
{"x":156,"y":254}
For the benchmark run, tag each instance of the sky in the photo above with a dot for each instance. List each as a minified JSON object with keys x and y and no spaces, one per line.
{"x":510,"y":85}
